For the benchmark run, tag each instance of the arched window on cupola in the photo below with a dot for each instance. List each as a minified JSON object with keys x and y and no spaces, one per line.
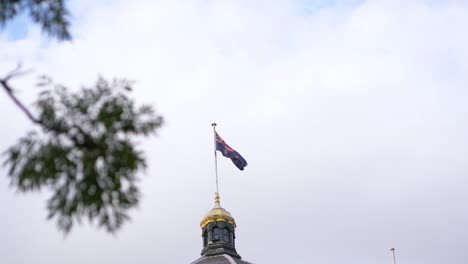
{"x":226,"y":235}
{"x":215,"y":233}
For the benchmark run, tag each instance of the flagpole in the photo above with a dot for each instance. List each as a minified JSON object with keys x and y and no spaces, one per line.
{"x":393,"y":253}
{"x":216,"y":158}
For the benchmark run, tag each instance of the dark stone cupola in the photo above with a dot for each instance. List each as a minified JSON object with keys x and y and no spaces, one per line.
{"x":218,"y":232}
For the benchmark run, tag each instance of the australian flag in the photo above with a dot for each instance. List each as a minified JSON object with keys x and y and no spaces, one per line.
{"x":228,"y":152}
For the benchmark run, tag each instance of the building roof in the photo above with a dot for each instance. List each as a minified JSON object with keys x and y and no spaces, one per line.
{"x":220,"y":259}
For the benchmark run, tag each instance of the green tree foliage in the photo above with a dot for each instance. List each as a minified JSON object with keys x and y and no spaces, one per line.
{"x":85,"y":153}
{"x":51,"y":15}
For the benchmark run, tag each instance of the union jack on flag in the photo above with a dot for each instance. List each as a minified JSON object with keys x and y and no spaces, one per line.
{"x":229,"y":152}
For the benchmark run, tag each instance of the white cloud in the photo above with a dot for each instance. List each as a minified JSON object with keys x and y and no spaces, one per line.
{"x":352,"y":118}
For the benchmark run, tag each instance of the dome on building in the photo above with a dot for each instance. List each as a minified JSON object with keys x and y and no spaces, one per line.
{"x":217,"y":214}
{"x":218,"y":232}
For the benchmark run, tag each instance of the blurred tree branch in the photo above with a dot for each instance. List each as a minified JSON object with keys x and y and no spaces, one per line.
{"x":51,"y":15}
{"x":86,"y":153}
{"x":4,"y":82}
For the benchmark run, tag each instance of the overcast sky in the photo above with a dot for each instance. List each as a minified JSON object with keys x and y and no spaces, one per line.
{"x":352,"y":115}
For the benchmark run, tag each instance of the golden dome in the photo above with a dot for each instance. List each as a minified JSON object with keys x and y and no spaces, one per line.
{"x":217,"y":214}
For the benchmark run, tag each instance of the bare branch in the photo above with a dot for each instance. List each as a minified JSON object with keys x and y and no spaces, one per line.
{"x":9,"y":91}
{"x":16,"y":73}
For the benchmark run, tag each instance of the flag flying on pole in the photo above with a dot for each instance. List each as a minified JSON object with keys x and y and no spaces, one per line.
{"x":229,"y":152}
